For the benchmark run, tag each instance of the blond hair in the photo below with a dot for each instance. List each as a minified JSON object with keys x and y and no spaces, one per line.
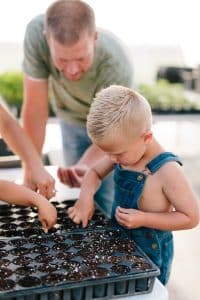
{"x":118,"y":108}
{"x":66,"y":20}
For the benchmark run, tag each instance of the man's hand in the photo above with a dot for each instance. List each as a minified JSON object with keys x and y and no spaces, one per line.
{"x":39,"y":180}
{"x":129,"y":218}
{"x":81,"y":212}
{"x":73,"y":175}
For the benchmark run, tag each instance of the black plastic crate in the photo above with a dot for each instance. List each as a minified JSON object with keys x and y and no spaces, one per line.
{"x":82,"y":265}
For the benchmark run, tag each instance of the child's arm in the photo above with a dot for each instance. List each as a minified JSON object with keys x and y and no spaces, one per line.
{"x":83,"y":210}
{"x":179,"y":193}
{"x":20,"y":195}
{"x":35,"y":176}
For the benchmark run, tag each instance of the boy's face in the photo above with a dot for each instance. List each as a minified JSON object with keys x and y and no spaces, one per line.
{"x":73,"y":61}
{"x":125,"y":150}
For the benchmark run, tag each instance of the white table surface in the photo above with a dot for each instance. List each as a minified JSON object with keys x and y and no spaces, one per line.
{"x":63,"y":192}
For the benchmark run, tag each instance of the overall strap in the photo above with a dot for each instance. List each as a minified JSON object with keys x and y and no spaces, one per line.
{"x":156,"y":163}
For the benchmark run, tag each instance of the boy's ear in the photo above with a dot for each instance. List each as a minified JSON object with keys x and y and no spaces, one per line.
{"x":148,"y":137}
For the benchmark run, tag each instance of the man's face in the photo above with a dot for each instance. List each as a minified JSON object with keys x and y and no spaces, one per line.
{"x":73,"y":61}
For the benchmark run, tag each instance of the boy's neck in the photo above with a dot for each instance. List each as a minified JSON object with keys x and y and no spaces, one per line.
{"x":153,"y":149}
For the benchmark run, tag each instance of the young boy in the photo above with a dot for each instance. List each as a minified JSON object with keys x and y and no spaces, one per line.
{"x":36,"y":177}
{"x":152,"y":195}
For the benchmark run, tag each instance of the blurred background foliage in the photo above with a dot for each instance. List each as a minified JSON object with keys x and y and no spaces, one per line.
{"x":164,"y":97}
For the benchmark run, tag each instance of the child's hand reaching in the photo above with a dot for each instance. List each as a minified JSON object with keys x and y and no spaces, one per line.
{"x":81,"y":212}
{"x":129,"y":218}
{"x":47,"y":214}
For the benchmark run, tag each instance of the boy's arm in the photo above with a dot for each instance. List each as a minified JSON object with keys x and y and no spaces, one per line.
{"x":83,"y":210}
{"x":36,"y":177}
{"x":20,"y":195}
{"x":179,"y":193}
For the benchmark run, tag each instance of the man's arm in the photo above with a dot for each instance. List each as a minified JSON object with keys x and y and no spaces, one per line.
{"x":35,"y":110}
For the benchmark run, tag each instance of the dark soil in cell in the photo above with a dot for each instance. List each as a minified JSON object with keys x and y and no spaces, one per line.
{"x":4,"y":262}
{"x":25,"y":220}
{"x":10,"y":226}
{"x":76,"y":276}
{"x":47,"y":268}
{"x":29,"y":281}
{"x":120,"y":269}
{"x":7,"y":220}
{"x":141,"y":266}
{"x":75,"y":237}
{"x":38,"y":240}
{"x":32,"y":231}
{"x":61,"y":246}
{"x":25,"y":270}
{"x":5,"y":272}
{"x":69,"y":203}
{"x":112,"y":259}
{"x":8,"y":233}
{"x":135,"y":258}
{"x":3,"y":253}
{"x":58,"y":238}
{"x":17,"y":242}
{"x":26,"y":224}
{"x":64,"y":255}
{"x":23,"y":211}
{"x":22,"y":260}
{"x":2,"y":244}
{"x":5,"y":207}
{"x":71,"y":265}
{"x":53,"y":278}
{"x":5,"y":212}
{"x":40,"y":249}
{"x":97,"y":272}
{"x":6,"y":284}
{"x":44,"y":258}
{"x":55,"y":203}
{"x":20,"y":251}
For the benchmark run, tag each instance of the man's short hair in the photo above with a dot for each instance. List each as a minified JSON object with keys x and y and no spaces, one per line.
{"x":118,"y":109}
{"x":66,"y":20}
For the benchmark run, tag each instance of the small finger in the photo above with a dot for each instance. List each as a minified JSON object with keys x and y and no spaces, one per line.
{"x":76,"y":219}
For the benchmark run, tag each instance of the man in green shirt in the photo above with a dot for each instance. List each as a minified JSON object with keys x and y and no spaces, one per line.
{"x":67,"y":58}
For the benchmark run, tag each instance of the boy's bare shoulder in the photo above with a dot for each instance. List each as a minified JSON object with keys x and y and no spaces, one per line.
{"x":171,"y":169}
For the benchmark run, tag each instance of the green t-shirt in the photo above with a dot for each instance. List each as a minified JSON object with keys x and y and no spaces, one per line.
{"x":71,"y":99}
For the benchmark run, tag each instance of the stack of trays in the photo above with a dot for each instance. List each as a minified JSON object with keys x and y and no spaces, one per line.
{"x":68,"y":263}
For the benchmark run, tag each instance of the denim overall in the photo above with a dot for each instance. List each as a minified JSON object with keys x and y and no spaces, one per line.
{"x":129,"y":185}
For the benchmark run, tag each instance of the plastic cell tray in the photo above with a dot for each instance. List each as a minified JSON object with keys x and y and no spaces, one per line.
{"x":68,"y":263}
{"x":23,"y":221}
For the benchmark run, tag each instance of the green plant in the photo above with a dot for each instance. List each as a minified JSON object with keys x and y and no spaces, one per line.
{"x":166,"y":97}
{"x":11,"y":88}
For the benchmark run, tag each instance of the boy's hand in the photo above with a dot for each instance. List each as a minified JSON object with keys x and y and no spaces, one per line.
{"x":82,"y":211}
{"x":129,"y":218}
{"x":39,"y":180}
{"x":73,"y":175}
{"x":47,"y":214}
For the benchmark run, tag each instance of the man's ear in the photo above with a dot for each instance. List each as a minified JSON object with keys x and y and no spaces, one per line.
{"x":96,"y":36}
{"x":46,"y":34}
{"x":148,"y":137}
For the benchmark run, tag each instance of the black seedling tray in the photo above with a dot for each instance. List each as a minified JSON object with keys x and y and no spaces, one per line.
{"x":68,"y":263}
{"x":23,"y":221}
{"x":82,"y":265}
